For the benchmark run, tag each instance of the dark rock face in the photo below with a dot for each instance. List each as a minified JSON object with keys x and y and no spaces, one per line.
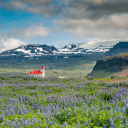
{"x":113,"y":64}
{"x":120,"y":47}
{"x":49,"y":48}
{"x":70,"y":47}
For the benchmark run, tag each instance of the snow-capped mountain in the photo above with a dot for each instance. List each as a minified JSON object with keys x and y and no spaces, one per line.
{"x":88,"y":47}
{"x":76,"y":50}
{"x":94,"y":47}
{"x":31,"y":50}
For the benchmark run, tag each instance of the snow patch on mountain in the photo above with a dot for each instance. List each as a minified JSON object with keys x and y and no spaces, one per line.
{"x":31,"y":50}
{"x":88,"y":47}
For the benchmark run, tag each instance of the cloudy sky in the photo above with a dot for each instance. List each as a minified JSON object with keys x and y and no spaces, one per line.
{"x":60,"y":22}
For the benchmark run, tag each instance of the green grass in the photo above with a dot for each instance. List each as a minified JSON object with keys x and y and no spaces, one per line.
{"x":121,"y":55}
{"x":100,"y":74}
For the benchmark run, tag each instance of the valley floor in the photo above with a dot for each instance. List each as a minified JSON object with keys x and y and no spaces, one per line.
{"x":68,"y":72}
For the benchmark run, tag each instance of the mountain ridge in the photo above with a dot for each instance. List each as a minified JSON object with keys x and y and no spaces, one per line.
{"x":120,"y":47}
{"x":31,"y":50}
{"x":38,"y":50}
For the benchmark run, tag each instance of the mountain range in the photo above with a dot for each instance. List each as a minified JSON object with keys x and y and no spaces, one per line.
{"x":31,"y":50}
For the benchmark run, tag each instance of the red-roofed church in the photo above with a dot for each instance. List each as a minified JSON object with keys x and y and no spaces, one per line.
{"x":38,"y":73}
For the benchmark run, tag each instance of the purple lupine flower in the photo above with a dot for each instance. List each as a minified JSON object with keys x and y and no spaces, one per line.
{"x":15,"y":126}
{"x":86,"y":123}
{"x":53,"y":120}
{"x":95,"y":110}
{"x":1,"y":117}
{"x":78,"y":125}
{"x":126,"y":123}
{"x":25,"y":124}
{"x":111,"y":112}
{"x":93,"y":115}
{"x":20,"y":99}
{"x":124,"y":110}
{"x":74,"y":107}
{"x":92,"y":108}
{"x":28,"y":121}
{"x":62,"y":125}
{"x":126,"y":105}
{"x":45,"y":110}
{"x":39,"y":121}
{"x":33,"y":123}
{"x":38,"y":113}
{"x":33,"y":118}
{"x":111,"y":123}
{"x":69,"y":113}
{"x":122,"y":121}
{"x":57,"y":109}
{"x":47,"y":118}
{"x":10,"y":122}
{"x":50,"y":123}
{"x":42,"y":118}
{"x":35,"y":106}
{"x":104,"y":126}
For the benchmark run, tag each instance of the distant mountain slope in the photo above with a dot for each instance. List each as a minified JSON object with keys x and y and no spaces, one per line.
{"x":120,"y":47}
{"x":90,"y":47}
{"x":81,"y":49}
{"x":110,"y":65}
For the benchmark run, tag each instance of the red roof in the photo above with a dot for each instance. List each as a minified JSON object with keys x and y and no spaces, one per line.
{"x":36,"y":72}
{"x":42,"y":67}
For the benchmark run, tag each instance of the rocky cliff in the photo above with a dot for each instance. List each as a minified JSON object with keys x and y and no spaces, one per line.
{"x":110,"y":65}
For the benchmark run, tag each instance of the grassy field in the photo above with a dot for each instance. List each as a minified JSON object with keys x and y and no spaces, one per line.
{"x":28,"y":102}
{"x":101,"y":74}
{"x":73,"y":66}
{"x":76,"y":72}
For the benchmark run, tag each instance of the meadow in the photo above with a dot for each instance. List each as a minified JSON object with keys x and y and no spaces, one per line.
{"x":27,"y":102}
{"x":79,"y":65}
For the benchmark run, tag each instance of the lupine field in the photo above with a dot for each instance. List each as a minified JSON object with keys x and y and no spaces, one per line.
{"x":27,"y":102}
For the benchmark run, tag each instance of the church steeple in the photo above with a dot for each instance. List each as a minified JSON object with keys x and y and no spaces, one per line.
{"x":43,"y":71}
{"x":42,"y":67}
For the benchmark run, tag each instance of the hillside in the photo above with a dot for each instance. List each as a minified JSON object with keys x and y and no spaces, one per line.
{"x":112,"y":65}
{"x":118,"y":48}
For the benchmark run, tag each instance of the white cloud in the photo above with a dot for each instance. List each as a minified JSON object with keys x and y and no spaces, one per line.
{"x":30,"y":32}
{"x":10,"y":43}
{"x":113,"y":27}
{"x":96,"y":43}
